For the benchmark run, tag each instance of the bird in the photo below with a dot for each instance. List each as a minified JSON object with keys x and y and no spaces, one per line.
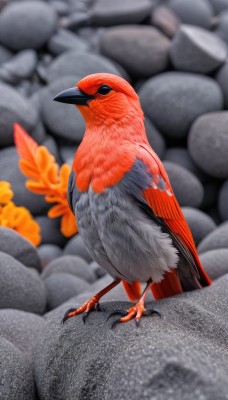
{"x":126,"y":211}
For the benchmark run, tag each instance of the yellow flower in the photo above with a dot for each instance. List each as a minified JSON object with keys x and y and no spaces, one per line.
{"x":6,"y":193}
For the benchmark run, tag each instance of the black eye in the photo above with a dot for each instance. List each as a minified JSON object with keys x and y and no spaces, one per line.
{"x":104,"y":89}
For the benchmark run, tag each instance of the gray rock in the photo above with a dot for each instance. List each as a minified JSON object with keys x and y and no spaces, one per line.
{"x":215,"y":262}
{"x":14,"y":108}
{"x":48,"y":253}
{"x":60,"y":7}
{"x":173,"y":100}
{"x":16,"y":374}
{"x":187,"y":342}
{"x":223,"y":201}
{"x":19,"y":67}
{"x":79,"y":64}
{"x":196,"y":50}
{"x":61,"y":287}
{"x":222,"y":26}
{"x":65,"y":40}
{"x":208,"y":143}
{"x":142,"y":50}
{"x":20,"y":288}
{"x":222,"y":79}
{"x":106,"y":13}
{"x":219,"y":5}
{"x":156,"y":140}
{"x":97,"y":269}
{"x":21,"y":27}
{"x":76,"y":247}
{"x":18,"y":247}
{"x":62,"y":120}
{"x":181,"y":156}
{"x":67,"y":153}
{"x":75,"y":20}
{"x":51,"y":145}
{"x":5,"y":54}
{"x":72,"y":265}
{"x":196,"y":12}
{"x":186,"y":186}
{"x":50,"y":231}
{"x":217,"y":239}
{"x":165,"y":20}
{"x":11,"y":173}
{"x":211,"y":189}
{"x":21,"y":328}
{"x":199,"y":222}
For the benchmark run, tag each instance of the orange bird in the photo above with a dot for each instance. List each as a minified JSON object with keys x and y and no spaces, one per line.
{"x":126,"y":210}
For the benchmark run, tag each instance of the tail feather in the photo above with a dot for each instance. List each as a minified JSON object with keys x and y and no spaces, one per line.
{"x":133,"y":290}
{"x":169,"y":286}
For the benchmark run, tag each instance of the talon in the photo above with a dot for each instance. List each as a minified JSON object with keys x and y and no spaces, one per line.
{"x":84,"y":316}
{"x":117,"y":312}
{"x":115,"y":322}
{"x":137,"y":322}
{"x":97,"y":307}
{"x":67,"y":314}
{"x":151,"y":311}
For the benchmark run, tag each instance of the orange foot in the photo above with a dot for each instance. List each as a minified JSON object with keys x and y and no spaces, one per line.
{"x":85,"y":309}
{"x":135,"y":312}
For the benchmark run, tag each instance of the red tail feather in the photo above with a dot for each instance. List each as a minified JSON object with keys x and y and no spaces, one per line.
{"x":169,"y":286}
{"x":133,"y":290}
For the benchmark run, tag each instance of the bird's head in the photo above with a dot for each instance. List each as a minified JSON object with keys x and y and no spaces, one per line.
{"x":103,"y":99}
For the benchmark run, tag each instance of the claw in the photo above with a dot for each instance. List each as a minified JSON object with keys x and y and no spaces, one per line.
{"x":84,"y":316}
{"x":151,"y":311}
{"x":98,"y":307}
{"x":115,"y":322}
{"x":66,"y":314}
{"x":117,"y":312}
{"x":137,"y":322}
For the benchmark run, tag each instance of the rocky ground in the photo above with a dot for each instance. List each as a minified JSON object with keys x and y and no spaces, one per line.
{"x":174,"y":53}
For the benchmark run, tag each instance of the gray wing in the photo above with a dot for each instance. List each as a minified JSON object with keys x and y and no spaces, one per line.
{"x":72,"y":192}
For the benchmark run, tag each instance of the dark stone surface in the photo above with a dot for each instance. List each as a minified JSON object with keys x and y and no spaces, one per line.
{"x":61,"y":287}
{"x":50,"y":231}
{"x":20,"y":288}
{"x":194,"y":12}
{"x":181,"y":156}
{"x":107,"y":12}
{"x":222,"y":79}
{"x":208,"y":143}
{"x":73,"y":265}
{"x":223,"y":201}
{"x":178,"y":353}
{"x":97,"y":269}
{"x":21,"y":328}
{"x":65,"y":40}
{"x":217,"y":239}
{"x":215,"y":262}
{"x":16,"y":375}
{"x":48,"y":253}
{"x":186,"y":186}
{"x":219,"y":5}
{"x":14,"y":108}
{"x":18,"y":247}
{"x":166,"y":20}
{"x":156,"y":140}
{"x":76,"y":247}
{"x":5,"y":54}
{"x":79,"y":64}
{"x":199,"y":222}
{"x":196,"y":50}
{"x":173,"y":100}
{"x":21,"y":66}
{"x":222,"y":25}
{"x":123,"y":43}
{"x":19,"y":18}
{"x":62,"y":120}
{"x":11,"y":173}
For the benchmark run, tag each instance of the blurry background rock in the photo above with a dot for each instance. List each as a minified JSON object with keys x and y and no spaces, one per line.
{"x":174,"y":53}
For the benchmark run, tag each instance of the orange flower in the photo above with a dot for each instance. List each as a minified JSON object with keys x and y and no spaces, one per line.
{"x":17,"y":218}
{"x":46,"y":178}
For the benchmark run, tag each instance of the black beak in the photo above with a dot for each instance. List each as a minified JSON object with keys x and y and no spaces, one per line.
{"x":73,"y":95}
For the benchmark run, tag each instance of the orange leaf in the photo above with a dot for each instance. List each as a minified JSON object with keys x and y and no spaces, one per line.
{"x":36,"y":187}
{"x":26,"y":146}
{"x":28,"y":169}
{"x":44,"y":158}
{"x":68,"y":224}
{"x":57,"y":211}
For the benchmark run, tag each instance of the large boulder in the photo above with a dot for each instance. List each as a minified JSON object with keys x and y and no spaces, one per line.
{"x":217,"y":239}
{"x":194,"y":12}
{"x":174,"y":353}
{"x":208,"y":143}
{"x":200,"y":223}
{"x":27,"y":24}
{"x":173,"y":100}
{"x":142,"y":50}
